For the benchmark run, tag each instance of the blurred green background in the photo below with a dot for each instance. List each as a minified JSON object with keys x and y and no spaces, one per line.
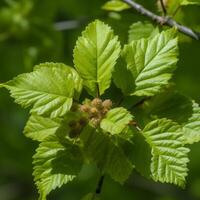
{"x":35,"y":31}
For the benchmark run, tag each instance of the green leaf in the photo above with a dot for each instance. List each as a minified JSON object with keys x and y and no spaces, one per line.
{"x":49,"y":88}
{"x":38,"y":128}
{"x":123,"y":79}
{"x":192,"y":126}
{"x":169,"y":156}
{"x":189,"y":2}
{"x":151,"y":62}
{"x":141,"y":157}
{"x":176,"y":107}
{"x":74,"y":75}
{"x":49,"y":173}
{"x":172,"y":5}
{"x":115,"y":5}
{"x":100,"y":149}
{"x":141,"y":30}
{"x":95,"y":55}
{"x":116,"y":120}
{"x":71,"y":126}
{"x":169,"y":104}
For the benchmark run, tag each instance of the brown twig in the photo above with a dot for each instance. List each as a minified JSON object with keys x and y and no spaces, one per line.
{"x":163,"y":20}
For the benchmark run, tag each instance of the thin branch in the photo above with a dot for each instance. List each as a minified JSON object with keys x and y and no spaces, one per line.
{"x":163,"y":20}
{"x":99,"y":187}
{"x":163,"y":7}
{"x":66,"y":25}
{"x":100,"y":184}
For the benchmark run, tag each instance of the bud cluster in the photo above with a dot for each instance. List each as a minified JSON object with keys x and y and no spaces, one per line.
{"x":96,"y":110}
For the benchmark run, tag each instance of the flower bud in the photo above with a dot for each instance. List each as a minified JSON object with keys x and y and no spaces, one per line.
{"x":97,"y":103}
{"x":84,"y":108}
{"x":93,"y":111}
{"x":107,"y":104}
{"x":104,"y":111}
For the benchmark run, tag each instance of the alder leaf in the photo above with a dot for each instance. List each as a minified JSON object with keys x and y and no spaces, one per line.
{"x":169,"y":104}
{"x":169,"y":156}
{"x":123,"y":78}
{"x":99,"y":148}
{"x":95,"y":55}
{"x":189,"y":2}
{"x":49,"y":89}
{"x":116,"y":120}
{"x":38,"y":128}
{"x":75,"y":76}
{"x":141,"y":157}
{"x":141,"y":30}
{"x":48,"y":173}
{"x":115,"y":5}
{"x":151,"y":62}
{"x":192,"y":126}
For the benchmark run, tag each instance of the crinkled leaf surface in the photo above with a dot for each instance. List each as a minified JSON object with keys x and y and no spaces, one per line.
{"x":108,"y":156}
{"x":49,"y":173}
{"x":192,"y":126}
{"x":38,"y":128}
{"x":151,"y":62}
{"x":95,"y":55}
{"x":169,"y":156}
{"x":116,"y":120}
{"x":49,"y":89}
{"x":141,"y":30}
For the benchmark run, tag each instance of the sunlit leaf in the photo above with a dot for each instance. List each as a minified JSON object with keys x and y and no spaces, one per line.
{"x":95,"y":55}
{"x":115,"y":5}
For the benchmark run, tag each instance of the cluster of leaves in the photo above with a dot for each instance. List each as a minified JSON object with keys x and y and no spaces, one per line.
{"x":148,"y":130}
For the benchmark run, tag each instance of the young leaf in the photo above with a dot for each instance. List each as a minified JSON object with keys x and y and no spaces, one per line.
{"x":151,"y":62}
{"x":95,"y":55}
{"x":49,"y":89}
{"x":192,"y":126}
{"x":189,"y":2}
{"x":169,"y":156}
{"x":116,"y":120}
{"x":141,"y":157}
{"x":141,"y":30}
{"x":101,"y":150}
{"x":123,"y":79}
{"x":48,"y":174}
{"x":169,"y":104}
{"x":38,"y":128}
{"x":115,"y":5}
